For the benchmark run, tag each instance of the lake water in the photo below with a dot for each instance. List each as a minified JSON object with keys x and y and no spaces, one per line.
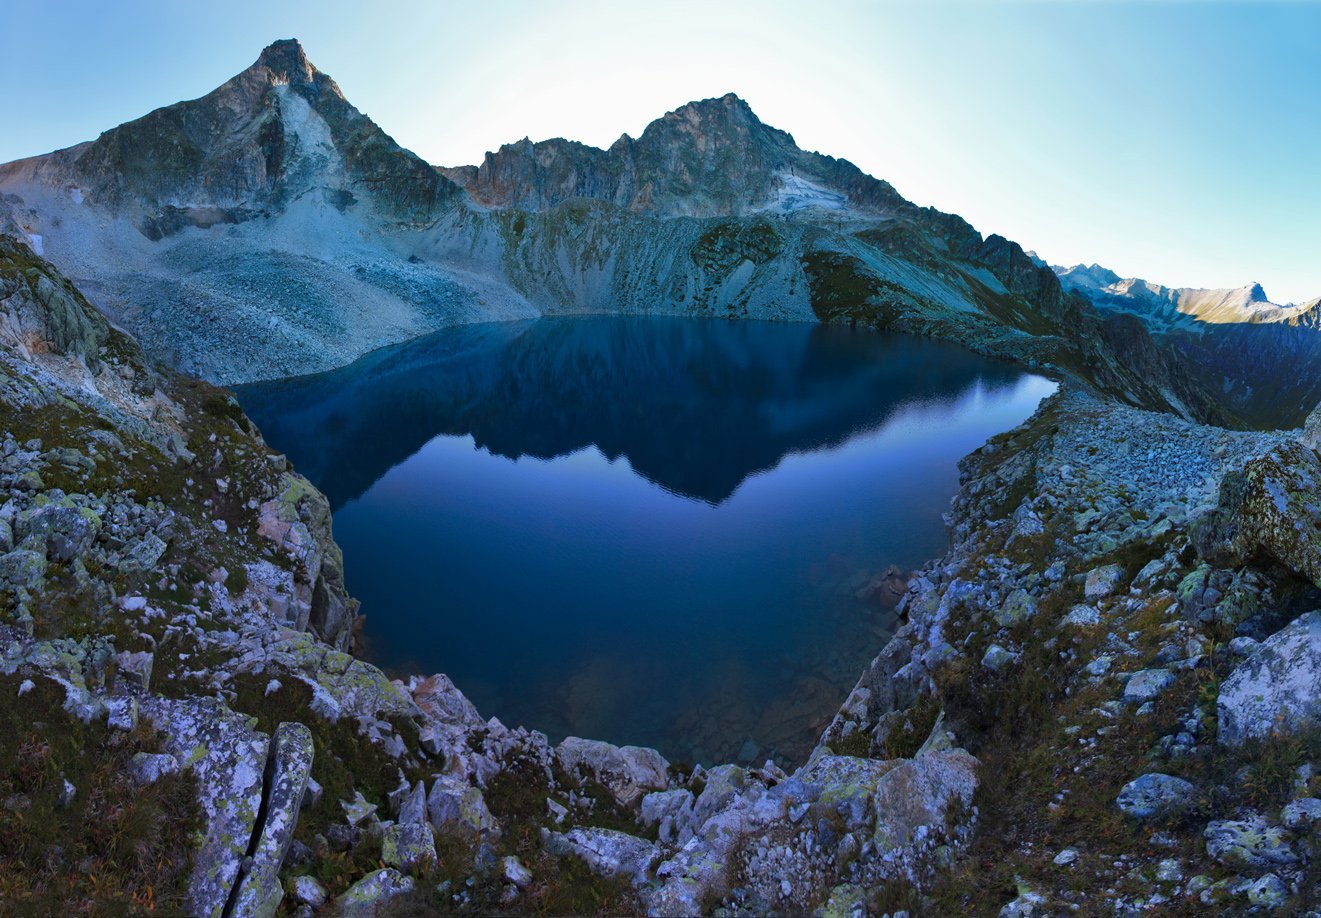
{"x":665,"y":532}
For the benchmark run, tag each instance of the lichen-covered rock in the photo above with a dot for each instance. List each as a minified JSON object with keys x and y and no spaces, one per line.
{"x":66,"y":530}
{"x":1103,"y":581}
{"x":149,"y":767}
{"x":1154,"y":794}
{"x":228,"y":759}
{"x":1278,"y":686}
{"x":1249,"y":843}
{"x":371,"y":896}
{"x":308,"y":891}
{"x":1270,"y":508}
{"x":1147,"y":685}
{"x":608,"y":852}
{"x":627,"y":772}
{"x":457,"y":807}
{"x":408,"y":846}
{"x":915,"y":797}
{"x":671,"y":811}
{"x":259,"y":891}
{"x":1018,"y":606}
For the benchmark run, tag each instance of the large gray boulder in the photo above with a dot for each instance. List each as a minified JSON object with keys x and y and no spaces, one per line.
{"x":1269,"y":509}
{"x":1277,"y":687}
{"x":1153,"y":795}
{"x":260,"y":891}
{"x":627,"y":772}
{"x":916,"y":796}
{"x":606,"y":851}
{"x":456,"y":807}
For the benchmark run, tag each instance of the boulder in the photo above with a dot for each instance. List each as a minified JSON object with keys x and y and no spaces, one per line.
{"x":1248,"y":843}
{"x":66,"y":531}
{"x":148,"y":768}
{"x":133,"y":672}
{"x":1146,"y":685}
{"x":606,"y":851}
{"x":671,"y":811}
{"x":1018,"y":606}
{"x":1103,"y":581}
{"x":371,"y":896}
{"x":1277,"y":687}
{"x":1270,"y":508}
{"x":1152,"y":795}
{"x":1301,"y":813}
{"x":627,"y":772}
{"x":307,"y":891}
{"x":914,"y":798}
{"x":259,"y":890}
{"x":408,"y":846}
{"x":455,"y":806}
{"x":997,"y":658}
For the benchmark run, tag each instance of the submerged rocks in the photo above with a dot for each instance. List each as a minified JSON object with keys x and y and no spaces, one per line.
{"x":1153,"y":795}
{"x":1278,"y":686}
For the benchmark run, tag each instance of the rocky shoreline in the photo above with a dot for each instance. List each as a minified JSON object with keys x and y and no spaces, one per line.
{"x":1108,"y":685}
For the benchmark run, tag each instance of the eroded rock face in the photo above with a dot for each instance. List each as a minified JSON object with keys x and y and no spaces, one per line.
{"x":228,"y":759}
{"x":260,"y":891}
{"x":1278,"y":686}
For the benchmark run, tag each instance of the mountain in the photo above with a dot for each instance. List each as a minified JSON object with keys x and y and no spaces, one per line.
{"x":1163,"y":306}
{"x":270,"y":229}
{"x":708,"y":158}
{"x":1259,"y":355}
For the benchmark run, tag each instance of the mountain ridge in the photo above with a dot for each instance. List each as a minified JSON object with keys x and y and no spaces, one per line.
{"x":269,"y":229}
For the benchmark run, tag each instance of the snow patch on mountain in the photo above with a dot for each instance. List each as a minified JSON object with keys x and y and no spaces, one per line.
{"x":797,"y":193}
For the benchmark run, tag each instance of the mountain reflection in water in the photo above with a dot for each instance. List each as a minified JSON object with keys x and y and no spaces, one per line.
{"x":647,"y":530}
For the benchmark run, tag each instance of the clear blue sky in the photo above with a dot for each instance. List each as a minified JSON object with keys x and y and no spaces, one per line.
{"x":1178,"y":142}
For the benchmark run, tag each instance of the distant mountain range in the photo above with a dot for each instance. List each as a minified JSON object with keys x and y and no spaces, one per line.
{"x":269,"y":229}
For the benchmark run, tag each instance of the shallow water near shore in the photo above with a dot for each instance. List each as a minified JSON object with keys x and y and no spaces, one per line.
{"x":663,"y":532}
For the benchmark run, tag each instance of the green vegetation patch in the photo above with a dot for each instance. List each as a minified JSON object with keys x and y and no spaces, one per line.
{"x":111,"y":847}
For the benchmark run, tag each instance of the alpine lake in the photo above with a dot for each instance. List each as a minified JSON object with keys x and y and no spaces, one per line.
{"x":682,"y":533}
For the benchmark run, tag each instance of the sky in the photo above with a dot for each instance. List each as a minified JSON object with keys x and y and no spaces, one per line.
{"x":1173,"y":141}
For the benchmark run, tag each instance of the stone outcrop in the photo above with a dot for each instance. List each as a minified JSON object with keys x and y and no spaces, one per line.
{"x":1277,"y":688}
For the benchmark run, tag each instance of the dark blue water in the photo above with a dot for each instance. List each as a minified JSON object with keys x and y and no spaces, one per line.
{"x":666,"y":532}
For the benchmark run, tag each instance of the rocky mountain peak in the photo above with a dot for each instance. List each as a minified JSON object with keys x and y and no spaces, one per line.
{"x":278,"y":132}
{"x":287,"y":59}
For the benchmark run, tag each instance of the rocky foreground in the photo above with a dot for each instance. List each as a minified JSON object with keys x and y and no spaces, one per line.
{"x":1104,"y":697}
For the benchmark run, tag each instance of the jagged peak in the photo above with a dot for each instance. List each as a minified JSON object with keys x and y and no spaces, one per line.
{"x":729,"y":105}
{"x":287,"y":60}
{"x":1256,"y":293}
